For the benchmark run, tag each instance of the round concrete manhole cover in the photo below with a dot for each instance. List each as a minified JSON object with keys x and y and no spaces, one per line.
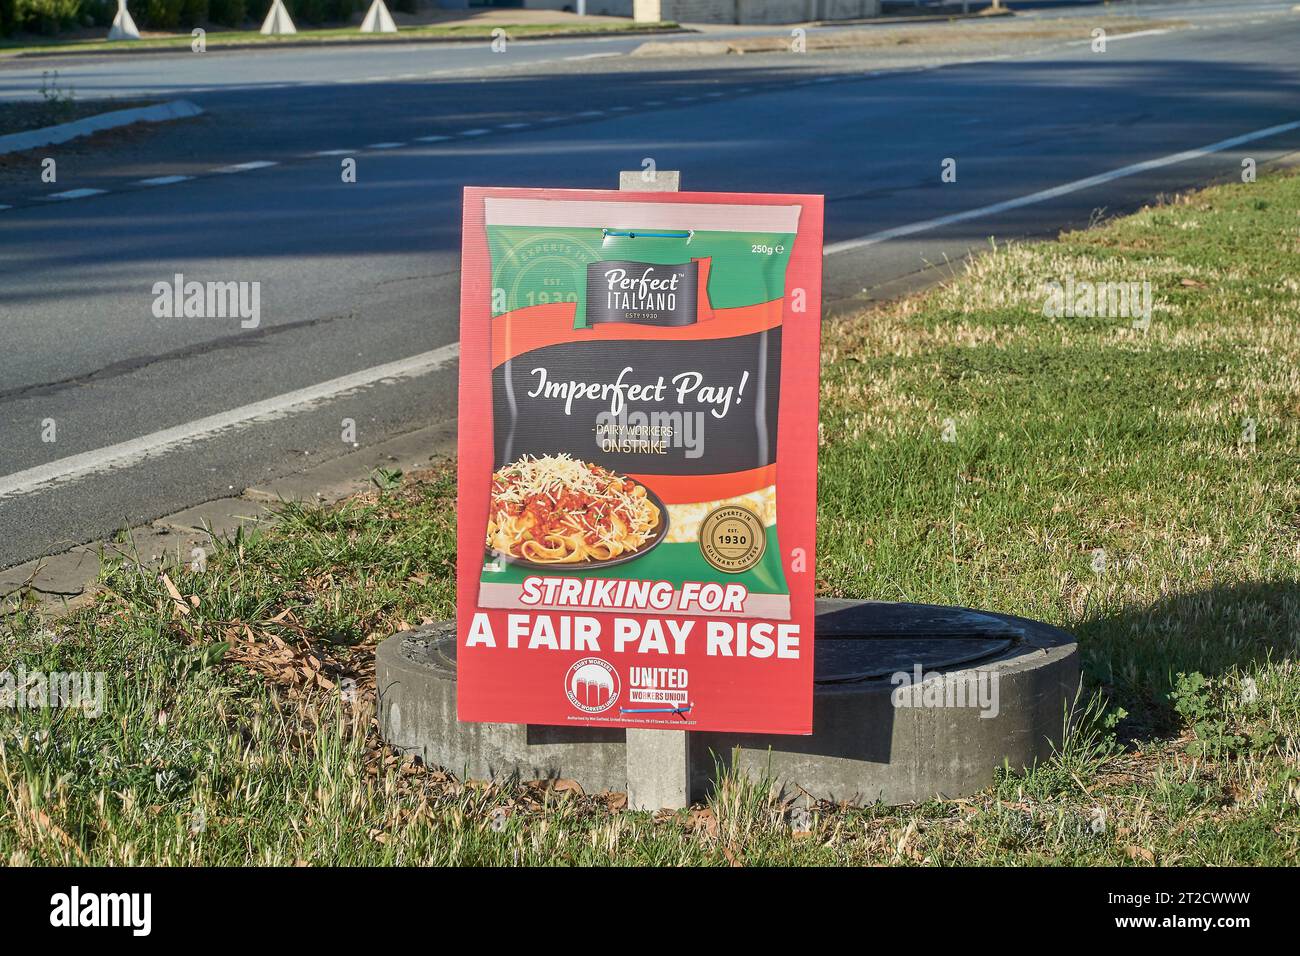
{"x":862,"y":640}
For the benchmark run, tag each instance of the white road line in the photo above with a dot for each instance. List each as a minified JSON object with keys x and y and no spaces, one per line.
{"x":592,"y":56}
{"x":1064,"y":189}
{"x":246,"y":167}
{"x":334,"y":152}
{"x":162,"y":180}
{"x":586,"y":113}
{"x":2,"y":208}
{"x":1136,"y":33}
{"x":475,"y":132}
{"x":1121,"y":36}
{"x":76,"y":194}
{"x":514,"y":126}
{"x":138,"y":449}
{"x":432,"y":139}
{"x":385,"y":145}
{"x":619,"y":109}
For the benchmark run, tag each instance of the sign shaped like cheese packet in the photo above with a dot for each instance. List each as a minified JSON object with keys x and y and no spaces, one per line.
{"x":642,"y":488}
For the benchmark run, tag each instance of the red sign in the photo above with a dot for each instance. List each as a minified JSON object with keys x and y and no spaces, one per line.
{"x":638,"y":459}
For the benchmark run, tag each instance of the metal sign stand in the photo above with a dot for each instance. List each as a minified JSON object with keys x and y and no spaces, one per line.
{"x":658,"y":761}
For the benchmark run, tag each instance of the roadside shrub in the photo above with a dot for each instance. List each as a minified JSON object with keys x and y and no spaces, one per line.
{"x":406,"y":6}
{"x":100,"y":13}
{"x":309,"y":12}
{"x":228,"y":13}
{"x":43,"y":16}
{"x":159,"y":14}
{"x":306,"y":11}
{"x":170,"y":14}
{"x":320,"y":11}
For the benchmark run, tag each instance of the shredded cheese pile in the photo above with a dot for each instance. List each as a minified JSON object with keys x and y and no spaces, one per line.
{"x":549,"y":475}
{"x":583,"y":508}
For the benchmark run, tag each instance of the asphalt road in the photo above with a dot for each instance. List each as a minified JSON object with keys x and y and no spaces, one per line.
{"x":357,"y":275}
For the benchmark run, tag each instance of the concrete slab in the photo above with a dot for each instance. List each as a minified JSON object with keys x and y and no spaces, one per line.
{"x":59,"y":579}
{"x":67,"y":580}
{"x":339,"y":477}
{"x":222,"y":516}
{"x":154,"y":546}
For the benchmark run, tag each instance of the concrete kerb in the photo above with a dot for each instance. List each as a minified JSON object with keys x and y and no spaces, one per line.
{"x":864,"y":748}
{"x":53,"y":135}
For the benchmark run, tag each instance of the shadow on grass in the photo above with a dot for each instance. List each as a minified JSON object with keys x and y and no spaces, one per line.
{"x":1134,"y":656}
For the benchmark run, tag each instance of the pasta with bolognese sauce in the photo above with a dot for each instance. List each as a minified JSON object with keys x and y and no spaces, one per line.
{"x":555,"y":509}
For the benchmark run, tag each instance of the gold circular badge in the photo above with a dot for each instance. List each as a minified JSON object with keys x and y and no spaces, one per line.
{"x":732,"y":539}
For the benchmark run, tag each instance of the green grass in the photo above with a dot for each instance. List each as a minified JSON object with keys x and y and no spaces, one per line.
{"x":216,"y":39}
{"x":226,"y":738}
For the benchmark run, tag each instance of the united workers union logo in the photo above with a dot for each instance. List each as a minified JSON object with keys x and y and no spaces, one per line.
{"x":592,"y":685}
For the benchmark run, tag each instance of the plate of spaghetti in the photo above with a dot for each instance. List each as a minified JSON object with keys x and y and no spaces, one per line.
{"x":554,"y":510}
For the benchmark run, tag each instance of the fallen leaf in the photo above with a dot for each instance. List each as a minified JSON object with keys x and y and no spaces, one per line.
{"x":907,"y":835}
{"x":702,"y":818}
{"x":1140,"y":853}
{"x":44,"y":822}
{"x":178,"y":600}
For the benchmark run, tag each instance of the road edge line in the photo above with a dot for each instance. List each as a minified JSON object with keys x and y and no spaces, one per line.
{"x":76,"y":467}
{"x":1054,"y":192}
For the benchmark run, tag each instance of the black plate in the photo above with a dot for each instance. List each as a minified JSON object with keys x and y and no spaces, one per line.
{"x":607,"y":562}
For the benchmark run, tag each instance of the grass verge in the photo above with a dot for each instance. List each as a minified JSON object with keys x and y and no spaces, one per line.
{"x":1137,"y":487}
{"x":215,"y":39}
{"x":977,"y":34}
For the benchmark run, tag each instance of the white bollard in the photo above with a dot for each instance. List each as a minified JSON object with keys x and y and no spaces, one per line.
{"x":378,"y":19}
{"x":123,"y":27}
{"x":278,"y":20}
